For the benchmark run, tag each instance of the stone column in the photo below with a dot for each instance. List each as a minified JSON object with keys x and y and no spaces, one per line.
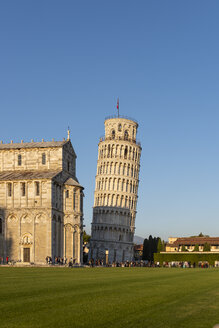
{"x":64,"y":241}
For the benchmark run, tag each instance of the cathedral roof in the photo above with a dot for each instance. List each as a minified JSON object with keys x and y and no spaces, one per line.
{"x":28,"y":175}
{"x":41,"y":144}
{"x":72,"y":182}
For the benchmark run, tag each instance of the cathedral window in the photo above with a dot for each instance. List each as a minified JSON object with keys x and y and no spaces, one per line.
{"x":119,"y":127}
{"x":113,"y":134}
{"x":126,"y":135}
{"x":43,"y":158}
{"x":23,"y":189}
{"x":19,"y":160}
{"x":74,"y":196}
{"x":68,"y":166}
{"x":9,"y":189}
{"x":37,"y":188}
{"x":67,"y":194}
{"x":75,"y":201}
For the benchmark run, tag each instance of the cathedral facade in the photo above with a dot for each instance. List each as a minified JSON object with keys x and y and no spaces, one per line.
{"x":116,"y":192}
{"x":41,"y":202}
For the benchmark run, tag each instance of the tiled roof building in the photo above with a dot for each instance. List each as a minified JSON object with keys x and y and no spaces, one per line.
{"x":189,"y":243}
{"x":138,"y":252}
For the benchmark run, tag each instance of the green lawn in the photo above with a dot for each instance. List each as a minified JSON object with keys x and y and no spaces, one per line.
{"x":109,"y":297}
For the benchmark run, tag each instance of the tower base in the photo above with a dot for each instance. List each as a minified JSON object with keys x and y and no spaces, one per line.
{"x":111,"y":252}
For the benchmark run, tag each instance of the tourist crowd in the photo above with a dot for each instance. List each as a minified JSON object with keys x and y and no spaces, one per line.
{"x":101,"y":263}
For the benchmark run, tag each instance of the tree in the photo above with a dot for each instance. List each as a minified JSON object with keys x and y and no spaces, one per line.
{"x":200,"y":235}
{"x":196,"y":248}
{"x":206,"y":248}
{"x":145,"y":249}
{"x":150,"y":247}
{"x":183,"y":249}
{"x":160,"y":246}
{"x":86,"y":238}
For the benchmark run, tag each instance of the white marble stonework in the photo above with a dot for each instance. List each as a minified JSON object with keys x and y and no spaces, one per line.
{"x":116,"y":192}
{"x":41,"y":202}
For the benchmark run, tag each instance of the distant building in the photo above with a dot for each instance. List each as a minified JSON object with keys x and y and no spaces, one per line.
{"x":41,"y":202}
{"x":116,"y":192}
{"x":189,"y":243}
{"x":138,"y":252}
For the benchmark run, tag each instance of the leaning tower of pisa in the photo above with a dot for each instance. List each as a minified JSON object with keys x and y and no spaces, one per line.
{"x":116,"y":192}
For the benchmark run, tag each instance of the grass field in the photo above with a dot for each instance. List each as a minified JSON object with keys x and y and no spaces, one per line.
{"x":109,"y":297}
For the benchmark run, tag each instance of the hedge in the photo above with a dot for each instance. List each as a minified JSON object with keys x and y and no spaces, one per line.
{"x":189,"y":257}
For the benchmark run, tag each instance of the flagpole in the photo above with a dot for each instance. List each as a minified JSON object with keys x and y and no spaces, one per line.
{"x":118,"y":106}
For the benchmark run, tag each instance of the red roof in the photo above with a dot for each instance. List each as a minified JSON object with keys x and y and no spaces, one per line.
{"x":194,"y":241}
{"x":138,"y":247}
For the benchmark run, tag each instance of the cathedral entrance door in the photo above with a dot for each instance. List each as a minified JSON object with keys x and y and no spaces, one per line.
{"x":26,"y":255}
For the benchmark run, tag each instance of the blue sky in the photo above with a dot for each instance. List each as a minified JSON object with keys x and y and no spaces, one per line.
{"x":66,"y":62}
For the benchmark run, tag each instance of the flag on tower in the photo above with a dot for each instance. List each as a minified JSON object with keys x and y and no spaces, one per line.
{"x":117,"y":106}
